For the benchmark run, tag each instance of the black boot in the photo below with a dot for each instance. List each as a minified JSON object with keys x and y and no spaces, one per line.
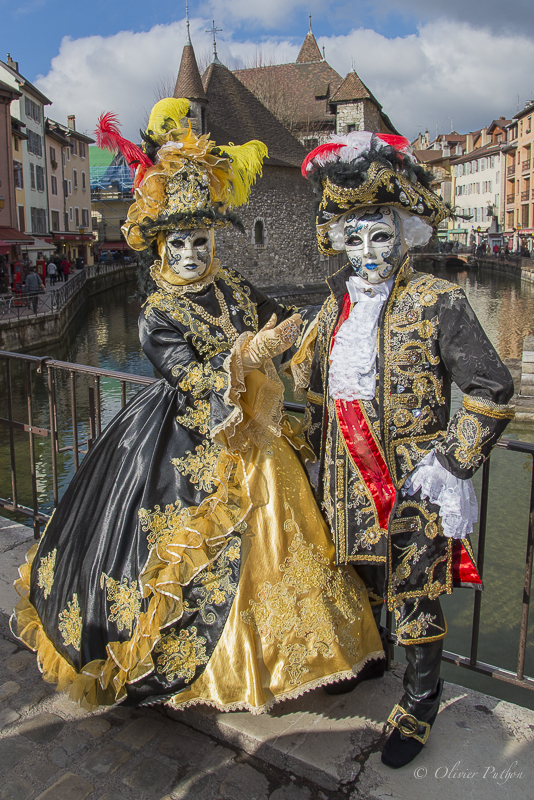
{"x":373,"y":669}
{"x":413,"y":717}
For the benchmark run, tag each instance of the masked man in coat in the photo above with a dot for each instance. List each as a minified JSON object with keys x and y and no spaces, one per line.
{"x":393,"y":469}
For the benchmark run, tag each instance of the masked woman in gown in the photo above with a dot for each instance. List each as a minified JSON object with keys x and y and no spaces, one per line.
{"x":187,"y":561}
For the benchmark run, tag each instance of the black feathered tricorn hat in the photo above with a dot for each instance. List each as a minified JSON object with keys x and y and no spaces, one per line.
{"x":368,"y":169}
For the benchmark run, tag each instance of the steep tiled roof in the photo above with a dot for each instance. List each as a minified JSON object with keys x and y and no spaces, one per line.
{"x":353,"y":88}
{"x":233,"y":114}
{"x":309,"y":50}
{"x":299,"y":84}
{"x":189,"y":82}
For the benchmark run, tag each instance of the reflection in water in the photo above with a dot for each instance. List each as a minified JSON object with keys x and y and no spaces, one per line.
{"x":504,"y":306}
{"x":107,"y":337}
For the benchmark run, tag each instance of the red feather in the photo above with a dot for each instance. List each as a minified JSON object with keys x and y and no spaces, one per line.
{"x":323,"y":149}
{"x":108,"y":137}
{"x":398,"y":142}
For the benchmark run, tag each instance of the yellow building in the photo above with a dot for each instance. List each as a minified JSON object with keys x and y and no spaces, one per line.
{"x":69,"y":190}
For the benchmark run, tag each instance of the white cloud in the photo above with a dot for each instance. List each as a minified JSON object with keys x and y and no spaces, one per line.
{"x":446,"y":69}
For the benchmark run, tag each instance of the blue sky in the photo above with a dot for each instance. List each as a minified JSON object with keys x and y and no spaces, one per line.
{"x":32,"y":30}
{"x":425,"y":68}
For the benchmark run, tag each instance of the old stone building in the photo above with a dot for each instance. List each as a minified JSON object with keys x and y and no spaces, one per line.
{"x":312,"y":100}
{"x":279,"y":246}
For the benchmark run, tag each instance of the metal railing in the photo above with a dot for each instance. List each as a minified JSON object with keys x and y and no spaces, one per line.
{"x":51,"y":370}
{"x":15,"y":305}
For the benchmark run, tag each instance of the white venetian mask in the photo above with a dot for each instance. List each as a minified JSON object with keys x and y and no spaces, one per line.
{"x":374,"y":242}
{"x":189,"y":252}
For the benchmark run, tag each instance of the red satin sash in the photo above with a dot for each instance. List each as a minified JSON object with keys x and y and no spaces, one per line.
{"x":362,"y":446}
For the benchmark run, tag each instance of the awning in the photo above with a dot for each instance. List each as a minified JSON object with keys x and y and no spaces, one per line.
{"x":13,"y":236}
{"x":120,"y":245}
{"x":4,"y":249}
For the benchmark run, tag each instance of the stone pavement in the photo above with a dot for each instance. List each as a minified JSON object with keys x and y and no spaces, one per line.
{"x":314,"y":748}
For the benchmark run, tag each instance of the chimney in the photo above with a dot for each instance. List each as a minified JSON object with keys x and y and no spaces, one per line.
{"x":13,"y":64}
{"x":469,"y":143}
{"x":484,"y":137}
{"x":71,"y":121}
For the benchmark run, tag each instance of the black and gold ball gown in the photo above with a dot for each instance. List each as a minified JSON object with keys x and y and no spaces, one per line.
{"x":187,"y":561}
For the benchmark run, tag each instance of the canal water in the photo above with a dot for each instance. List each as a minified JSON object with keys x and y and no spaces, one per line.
{"x":106,"y":336}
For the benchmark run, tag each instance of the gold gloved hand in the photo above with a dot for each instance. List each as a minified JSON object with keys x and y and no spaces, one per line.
{"x":272,"y":340}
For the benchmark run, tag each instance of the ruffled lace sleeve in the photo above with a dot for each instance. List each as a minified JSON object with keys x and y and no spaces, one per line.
{"x":256,"y":400}
{"x":455,"y":497}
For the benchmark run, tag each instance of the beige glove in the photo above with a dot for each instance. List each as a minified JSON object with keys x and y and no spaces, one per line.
{"x":272,"y":340}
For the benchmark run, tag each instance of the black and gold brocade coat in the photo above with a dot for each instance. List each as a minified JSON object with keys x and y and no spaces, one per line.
{"x":429,"y":337}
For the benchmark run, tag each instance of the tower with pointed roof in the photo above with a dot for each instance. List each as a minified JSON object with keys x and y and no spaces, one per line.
{"x":189,"y":84}
{"x":278,"y":211}
{"x":313,"y":100}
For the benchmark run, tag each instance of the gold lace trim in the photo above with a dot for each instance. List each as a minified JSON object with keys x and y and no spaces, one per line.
{"x":488,"y":408}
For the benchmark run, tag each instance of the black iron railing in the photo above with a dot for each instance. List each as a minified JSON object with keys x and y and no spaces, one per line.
{"x":69,"y":438}
{"x":17,"y":305}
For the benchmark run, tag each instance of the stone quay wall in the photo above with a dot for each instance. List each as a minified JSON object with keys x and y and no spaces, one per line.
{"x":21,"y":335}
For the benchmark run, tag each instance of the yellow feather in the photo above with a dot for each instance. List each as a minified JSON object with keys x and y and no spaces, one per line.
{"x":166,"y":115}
{"x":247,"y":162}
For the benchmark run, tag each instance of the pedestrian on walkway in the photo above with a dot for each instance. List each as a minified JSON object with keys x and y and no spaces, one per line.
{"x":65,"y":268}
{"x":59,"y":265}
{"x":52,"y":273}
{"x":32,"y":287}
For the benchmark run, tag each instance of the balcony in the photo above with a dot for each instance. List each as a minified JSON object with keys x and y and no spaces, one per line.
{"x":525,"y":195}
{"x":525,"y":166}
{"x":511,"y":170}
{"x":510,"y":199}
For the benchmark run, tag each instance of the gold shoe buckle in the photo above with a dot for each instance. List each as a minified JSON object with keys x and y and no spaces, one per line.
{"x":408,"y":725}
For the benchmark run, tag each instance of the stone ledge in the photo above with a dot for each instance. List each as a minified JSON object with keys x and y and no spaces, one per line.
{"x":336,"y":742}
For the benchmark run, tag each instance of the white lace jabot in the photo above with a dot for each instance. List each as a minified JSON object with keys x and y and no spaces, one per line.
{"x":353,"y":357}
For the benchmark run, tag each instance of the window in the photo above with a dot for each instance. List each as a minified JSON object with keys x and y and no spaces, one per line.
{"x":38,"y":220}
{"x":529,"y":125}
{"x":16,"y":143}
{"x":53,"y":157}
{"x":84,"y":181}
{"x":525,"y":215}
{"x":71,"y":214}
{"x":55,"y":220}
{"x":63,"y":158}
{"x":74,"y":147}
{"x":32,"y":176}
{"x":474,"y":166}
{"x":22,"y":220}
{"x":40,"y":178}
{"x":53,"y":184}
{"x":85,"y":218}
{"x":67,"y":150}
{"x":69,"y":183}
{"x":66,"y":220}
{"x":351,"y":128}
{"x":259,"y":234}
{"x":75,"y":178}
{"x":65,"y":189}
{"x":82,"y":149}
{"x":19,"y":180}
{"x":482,"y":163}
{"x":34,"y":144}
{"x":77,"y":217}
{"x":32,"y":109}
{"x":510,"y":219}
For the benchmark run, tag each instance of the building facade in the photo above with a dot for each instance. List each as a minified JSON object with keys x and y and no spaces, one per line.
{"x":28,"y":109}
{"x":519,"y":148}
{"x":69,"y":190}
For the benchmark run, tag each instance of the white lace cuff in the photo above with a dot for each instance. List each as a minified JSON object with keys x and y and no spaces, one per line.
{"x":455,"y":497}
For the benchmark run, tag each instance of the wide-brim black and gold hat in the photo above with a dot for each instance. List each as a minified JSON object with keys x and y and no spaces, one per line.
{"x":368,"y":169}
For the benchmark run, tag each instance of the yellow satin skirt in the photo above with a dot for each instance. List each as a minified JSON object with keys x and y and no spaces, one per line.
{"x":297,"y":620}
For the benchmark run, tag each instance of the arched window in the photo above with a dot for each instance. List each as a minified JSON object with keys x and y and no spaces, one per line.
{"x":259,"y":237}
